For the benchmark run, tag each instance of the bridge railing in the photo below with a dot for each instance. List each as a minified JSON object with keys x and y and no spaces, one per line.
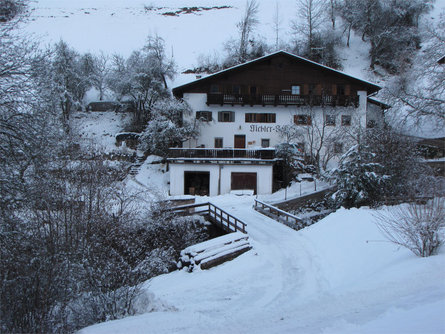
{"x":217,"y":215}
{"x":279,"y":215}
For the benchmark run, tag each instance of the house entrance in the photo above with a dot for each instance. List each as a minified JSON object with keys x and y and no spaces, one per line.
{"x":240,"y":141}
{"x":244,"y":181}
{"x":196,"y":183}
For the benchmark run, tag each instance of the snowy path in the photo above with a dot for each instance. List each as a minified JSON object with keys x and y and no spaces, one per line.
{"x":312,"y":281}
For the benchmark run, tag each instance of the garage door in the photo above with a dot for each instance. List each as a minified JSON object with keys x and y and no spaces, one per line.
{"x":196,"y":183}
{"x":244,"y":181}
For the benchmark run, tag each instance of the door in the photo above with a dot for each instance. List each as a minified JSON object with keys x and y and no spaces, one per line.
{"x":240,"y":141}
{"x":244,"y":181}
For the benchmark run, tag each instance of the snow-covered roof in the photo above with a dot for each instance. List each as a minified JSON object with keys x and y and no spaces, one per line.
{"x":381,"y":104}
{"x":180,"y":89}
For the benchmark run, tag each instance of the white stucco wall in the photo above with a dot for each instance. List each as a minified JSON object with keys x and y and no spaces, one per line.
{"x":255,"y":132}
{"x":264,"y":176}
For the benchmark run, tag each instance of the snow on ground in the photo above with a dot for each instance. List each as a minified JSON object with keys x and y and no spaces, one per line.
{"x":152,"y":179}
{"x":97,"y":130}
{"x":337,"y":276}
{"x":295,"y":189}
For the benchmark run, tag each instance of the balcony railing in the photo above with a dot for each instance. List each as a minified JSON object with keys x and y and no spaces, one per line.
{"x":283,"y":99}
{"x":222,"y":153}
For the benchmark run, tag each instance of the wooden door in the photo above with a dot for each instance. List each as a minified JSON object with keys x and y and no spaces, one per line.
{"x":240,"y":141}
{"x":244,"y":181}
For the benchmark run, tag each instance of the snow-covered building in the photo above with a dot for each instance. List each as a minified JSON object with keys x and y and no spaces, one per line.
{"x":245,"y":108}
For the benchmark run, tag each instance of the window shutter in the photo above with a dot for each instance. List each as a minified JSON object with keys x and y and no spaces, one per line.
{"x":220,"y":116}
{"x":309,"y":120}
{"x":232,"y":116}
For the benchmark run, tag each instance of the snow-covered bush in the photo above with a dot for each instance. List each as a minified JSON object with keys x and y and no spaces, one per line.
{"x":167,"y":128}
{"x":358,"y":177}
{"x":418,"y":227}
{"x":383,"y":165}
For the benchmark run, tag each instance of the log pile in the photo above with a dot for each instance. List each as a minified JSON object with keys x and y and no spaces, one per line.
{"x":214,"y":252}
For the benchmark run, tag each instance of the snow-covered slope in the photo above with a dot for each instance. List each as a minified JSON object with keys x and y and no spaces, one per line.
{"x":337,"y":276}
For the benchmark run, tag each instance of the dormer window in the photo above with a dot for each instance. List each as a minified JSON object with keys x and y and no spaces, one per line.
{"x":296,"y":90}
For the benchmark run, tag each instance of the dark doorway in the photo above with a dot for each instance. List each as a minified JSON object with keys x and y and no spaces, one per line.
{"x":240,"y":141}
{"x":197,"y":183}
{"x":244,"y":181}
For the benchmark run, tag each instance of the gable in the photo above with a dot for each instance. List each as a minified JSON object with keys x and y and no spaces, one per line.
{"x":275,"y":74}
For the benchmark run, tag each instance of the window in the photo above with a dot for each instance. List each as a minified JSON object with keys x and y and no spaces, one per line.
{"x":226,"y":116}
{"x":265,"y":142}
{"x":218,"y":142}
{"x":370,"y":123}
{"x":260,"y":118}
{"x":330,"y":120}
{"x":338,"y":148}
{"x":295,"y":90}
{"x":311,"y":89}
{"x":205,"y":116}
{"x":340,"y":89}
{"x":303,"y":119}
{"x":346,"y":120}
{"x":214,"y":89}
{"x":236,"y":89}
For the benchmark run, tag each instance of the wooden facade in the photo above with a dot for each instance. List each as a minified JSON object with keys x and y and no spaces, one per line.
{"x":270,"y":80}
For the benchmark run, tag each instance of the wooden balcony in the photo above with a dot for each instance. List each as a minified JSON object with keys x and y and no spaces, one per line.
{"x":283,"y":99}
{"x":222,"y":153}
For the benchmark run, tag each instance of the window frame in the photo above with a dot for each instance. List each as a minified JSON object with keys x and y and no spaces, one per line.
{"x":217,"y":139}
{"x":260,"y":118}
{"x":222,"y":116}
{"x":344,"y":118}
{"x":264,"y":140}
{"x":204,"y":115}
{"x":338,"y":148}
{"x":292,"y":90}
{"x":329,"y":120}
{"x":303,"y":119}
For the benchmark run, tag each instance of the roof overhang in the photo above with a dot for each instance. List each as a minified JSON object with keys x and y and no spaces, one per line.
{"x":180,"y":90}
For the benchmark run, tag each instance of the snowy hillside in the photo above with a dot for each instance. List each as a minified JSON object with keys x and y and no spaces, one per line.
{"x":337,"y":276}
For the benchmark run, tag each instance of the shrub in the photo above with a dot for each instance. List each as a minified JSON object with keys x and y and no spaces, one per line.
{"x":418,"y":227}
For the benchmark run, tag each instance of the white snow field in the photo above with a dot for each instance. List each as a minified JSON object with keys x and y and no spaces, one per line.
{"x":337,"y":276}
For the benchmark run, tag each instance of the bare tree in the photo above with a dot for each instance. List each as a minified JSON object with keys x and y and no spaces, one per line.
{"x":277,"y":25}
{"x":332,"y":11}
{"x":246,"y":26}
{"x":311,"y":14}
{"x":417,"y":227}
{"x":320,"y":136}
{"x":419,"y":91}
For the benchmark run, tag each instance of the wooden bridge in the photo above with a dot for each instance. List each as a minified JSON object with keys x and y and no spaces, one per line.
{"x":279,"y":215}
{"x":216,"y":215}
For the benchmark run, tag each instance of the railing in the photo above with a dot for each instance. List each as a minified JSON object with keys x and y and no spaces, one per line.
{"x":265,"y":154}
{"x":218,"y":216}
{"x":279,"y":215}
{"x":284,"y":99}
